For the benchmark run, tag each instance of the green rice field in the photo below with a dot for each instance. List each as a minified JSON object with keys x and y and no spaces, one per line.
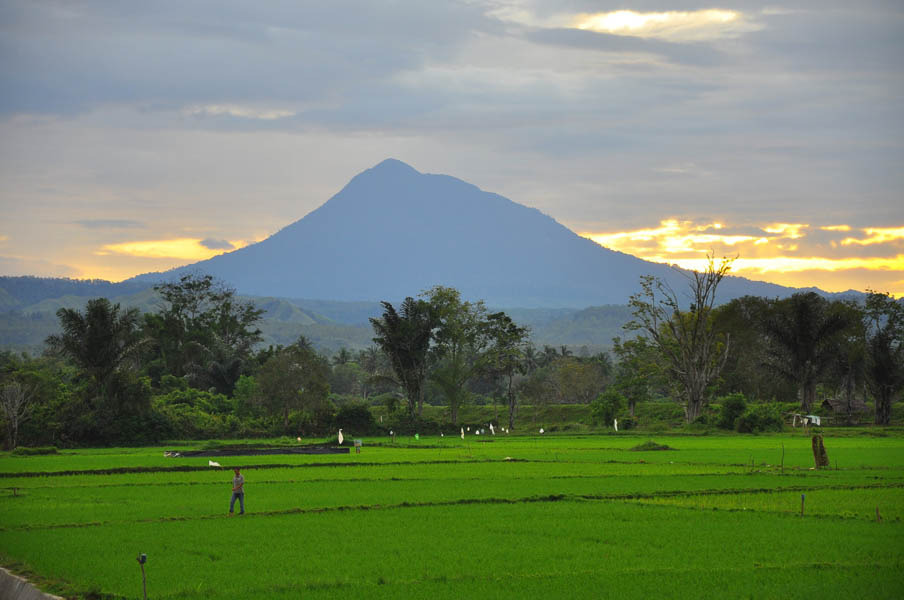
{"x":559,"y":516}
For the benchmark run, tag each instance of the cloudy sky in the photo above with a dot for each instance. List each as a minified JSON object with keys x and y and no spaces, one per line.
{"x":145,"y":135}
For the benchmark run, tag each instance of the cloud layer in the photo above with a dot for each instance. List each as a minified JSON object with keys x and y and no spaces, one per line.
{"x":219,"y":121}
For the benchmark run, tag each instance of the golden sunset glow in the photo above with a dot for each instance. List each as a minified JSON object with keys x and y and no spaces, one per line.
{"x":796,"y":254}
{"x":876,"y":235}
{"x":671,"y":25}
{"x":188,"y":249}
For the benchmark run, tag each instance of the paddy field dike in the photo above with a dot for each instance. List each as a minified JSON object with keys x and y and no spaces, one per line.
{"x":551,"y":516}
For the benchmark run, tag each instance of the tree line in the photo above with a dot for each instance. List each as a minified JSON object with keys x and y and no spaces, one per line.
{"x":195,"y":368}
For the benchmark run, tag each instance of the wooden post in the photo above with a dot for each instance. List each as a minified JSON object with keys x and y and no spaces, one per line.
{"x":783,"y":458}
{"x":819,"y":452}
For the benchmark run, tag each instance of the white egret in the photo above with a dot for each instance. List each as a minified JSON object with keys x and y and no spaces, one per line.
{"x":213,"y":463}
{"x":476,"y":432}
{"x":541,"y":430}
{"x":493,"y":431}
{"x":340,"y":437}
{"x":462,"y":433}
{"x":616,"y":424}
{"x":298,"y":438}
{"x":441,"y":434}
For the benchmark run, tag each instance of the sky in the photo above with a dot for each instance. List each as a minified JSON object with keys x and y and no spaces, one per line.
{"x":141,"y":136}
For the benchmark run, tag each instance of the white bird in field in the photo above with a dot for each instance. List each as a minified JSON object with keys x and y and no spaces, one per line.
{"x":340,"y":437}
{"x":469,"y":428}
{"x":298,"y":438}
{"x":616,"y":424}
{"x":493,"y":431}
{"x":462,"y":433}
{"x":212,"y":463}
{"x":441,"y":434}
{"x":541,"y":430}
{"x":476,"y":432}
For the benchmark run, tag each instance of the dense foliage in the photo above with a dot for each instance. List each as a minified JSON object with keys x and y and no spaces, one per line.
{"x":196,"y":368}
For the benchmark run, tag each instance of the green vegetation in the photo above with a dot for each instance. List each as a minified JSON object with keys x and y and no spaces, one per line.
{"x":549,"y":515}
{"x":195,"y":368}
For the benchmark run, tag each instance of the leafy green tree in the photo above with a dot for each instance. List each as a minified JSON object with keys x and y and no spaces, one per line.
{"x":805,"y":333}
{"x":884,"y":318}
{"x":506,"y":357}
{"x":578,"y":382}
{"x":405,"y":338}
{"x":203,"y":332}
{"x":16,"y":405}
{"x":741,"y":320}
{"x":640,"y":370}
{"x":460,"y":338}
{"x":295,"y":378}
{"x":605,"y":407}
{"x":693,"y":349}
{"x":539,"y":388}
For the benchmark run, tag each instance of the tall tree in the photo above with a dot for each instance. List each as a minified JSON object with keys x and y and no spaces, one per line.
{"x":506,"y":355}
{"x":639,"y":370}
{"x":204,"y":332}
{"x":460,"y":338}
{"x":294,"y":378}
{"x":100,"y":341}
{"x":16,"y":404}
{"x":405,"y":338}
{"x":884,"y":351}
{"x":687,"y":339}
{"x":804,"y":333}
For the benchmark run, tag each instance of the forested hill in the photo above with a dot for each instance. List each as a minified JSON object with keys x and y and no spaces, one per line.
{"x":20,"y":292}
{"x":28,"y":316}
{"x":393,"y":231}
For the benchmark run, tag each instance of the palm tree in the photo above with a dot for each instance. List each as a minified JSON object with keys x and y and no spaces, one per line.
{"x":803,"y":333}
{"x":884,"y":351}
{"x":100,"y":342}
{"x":405,"y":338}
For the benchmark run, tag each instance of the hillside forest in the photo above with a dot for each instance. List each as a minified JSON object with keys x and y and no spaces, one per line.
{"x":195,"y":367}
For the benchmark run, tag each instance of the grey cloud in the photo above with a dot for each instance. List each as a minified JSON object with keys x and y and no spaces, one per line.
{"x":15,"y":266}
{"x":700,"y":54}
{"x":214,"y":244}
{"x":111,"y":224}
{"x":68,"y":58}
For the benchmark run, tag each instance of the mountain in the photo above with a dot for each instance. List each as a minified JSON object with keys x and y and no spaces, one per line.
{"x":393,"y":231}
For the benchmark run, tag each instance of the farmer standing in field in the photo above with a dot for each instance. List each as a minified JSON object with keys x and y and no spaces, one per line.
{"x":238,"y":491}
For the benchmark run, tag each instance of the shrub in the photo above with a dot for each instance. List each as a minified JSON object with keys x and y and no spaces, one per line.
{"x":356,"y":418}
{"x":733,"y":406}
{"x":627,"y":423}
{"x":606,"y":406}
{"x":25,"y":451}
{"x":650,"y":445}
{"x":760,"y":417}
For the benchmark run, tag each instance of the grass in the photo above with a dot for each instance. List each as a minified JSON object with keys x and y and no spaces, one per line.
{"x":551,"y":516}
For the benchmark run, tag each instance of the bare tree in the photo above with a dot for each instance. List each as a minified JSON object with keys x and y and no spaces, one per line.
{"x":693,"y":350}
{"x":15,"y":401}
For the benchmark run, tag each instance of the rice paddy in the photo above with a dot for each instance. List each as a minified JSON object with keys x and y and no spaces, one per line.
{"x":543,"y":516}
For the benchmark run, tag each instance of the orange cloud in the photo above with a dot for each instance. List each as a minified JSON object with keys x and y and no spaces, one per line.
{"x":876,"y":235}
{"x":190,"y":249}
{"x":776,"y":252}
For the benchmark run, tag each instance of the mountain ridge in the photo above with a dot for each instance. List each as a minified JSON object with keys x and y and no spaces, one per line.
{"x":393,"y":231}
